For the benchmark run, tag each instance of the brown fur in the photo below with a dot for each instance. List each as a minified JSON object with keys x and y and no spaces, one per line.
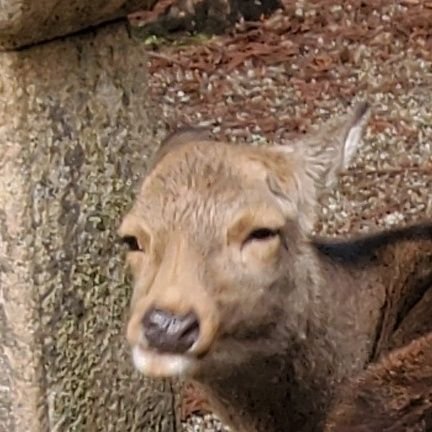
{"x":286,"y":320}
{"x":394,"y":395}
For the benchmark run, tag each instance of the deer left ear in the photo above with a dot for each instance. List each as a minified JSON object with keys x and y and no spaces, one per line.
{"x":307,"y":169}
{"x":331,"y":149}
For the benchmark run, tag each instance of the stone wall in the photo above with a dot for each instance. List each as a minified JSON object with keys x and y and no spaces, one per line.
{"x":75,"y":132}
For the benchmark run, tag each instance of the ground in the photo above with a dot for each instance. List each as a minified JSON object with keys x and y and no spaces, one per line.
{"x":270,"y":80}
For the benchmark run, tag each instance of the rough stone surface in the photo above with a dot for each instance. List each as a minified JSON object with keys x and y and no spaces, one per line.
{"x":75,"y":132}
{"x":24,"y":22}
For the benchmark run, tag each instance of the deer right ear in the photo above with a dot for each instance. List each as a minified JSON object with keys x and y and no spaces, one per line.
{"x":178,"y":138}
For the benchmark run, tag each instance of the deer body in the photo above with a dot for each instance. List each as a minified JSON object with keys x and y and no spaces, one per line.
{"x":232,"y":291}
{"x":292,"y":390}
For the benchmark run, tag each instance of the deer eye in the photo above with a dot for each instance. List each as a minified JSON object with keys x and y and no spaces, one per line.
{"x":132,"y":243}
{"x":262,"y":234}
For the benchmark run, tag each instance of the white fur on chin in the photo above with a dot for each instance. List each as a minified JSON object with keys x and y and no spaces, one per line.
{"x":159,"y":365}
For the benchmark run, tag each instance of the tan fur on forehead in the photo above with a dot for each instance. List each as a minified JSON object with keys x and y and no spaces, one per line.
{"x":203,"y":180}
{"x":281,"y":164}
{"x":192,"y":164}
{"x":190,"y":184}
{"x":190,"y":143}
{"x":201,"y":165}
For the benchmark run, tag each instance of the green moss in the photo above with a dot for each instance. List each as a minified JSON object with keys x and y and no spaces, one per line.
{"x":160,"y":39}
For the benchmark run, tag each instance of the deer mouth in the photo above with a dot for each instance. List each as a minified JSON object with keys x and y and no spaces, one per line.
{"x":162,"y":365}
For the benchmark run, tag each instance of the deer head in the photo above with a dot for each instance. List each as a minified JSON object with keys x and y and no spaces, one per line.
{"x":218,"y":246}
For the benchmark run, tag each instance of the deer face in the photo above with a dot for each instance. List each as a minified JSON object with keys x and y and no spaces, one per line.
{"x":218,"y":246}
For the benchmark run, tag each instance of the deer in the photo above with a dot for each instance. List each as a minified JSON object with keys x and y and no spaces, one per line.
{"x":234,"y":292}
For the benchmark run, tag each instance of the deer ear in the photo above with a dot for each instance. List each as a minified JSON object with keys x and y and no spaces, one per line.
{"x":178,"y":138}
{"x":309,"y":167}
{"x":330,"y":149}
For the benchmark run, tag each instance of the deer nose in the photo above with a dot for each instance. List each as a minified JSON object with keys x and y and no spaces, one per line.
{"x":170,"y":333}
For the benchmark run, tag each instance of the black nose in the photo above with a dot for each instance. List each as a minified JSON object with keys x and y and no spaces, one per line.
{"x":170,"y":333}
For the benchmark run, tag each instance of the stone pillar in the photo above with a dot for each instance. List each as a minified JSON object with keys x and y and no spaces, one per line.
{"x":24,"y":22}
{"x":75,"y":132}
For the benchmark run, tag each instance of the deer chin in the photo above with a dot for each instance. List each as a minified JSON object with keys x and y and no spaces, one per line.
{"x":162,"y":365}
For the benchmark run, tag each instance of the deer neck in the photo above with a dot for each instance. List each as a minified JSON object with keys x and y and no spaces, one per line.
{"x":289,"y":389}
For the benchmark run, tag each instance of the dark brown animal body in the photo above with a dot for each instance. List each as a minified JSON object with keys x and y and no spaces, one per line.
{"x":393,"y":395}
{"x":233,"y":292}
